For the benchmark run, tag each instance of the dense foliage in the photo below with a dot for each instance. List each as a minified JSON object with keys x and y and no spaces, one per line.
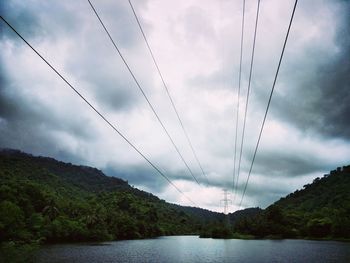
{"x":44,"y":200}
{"x":320,"y":210}
{"x":224,"y":228}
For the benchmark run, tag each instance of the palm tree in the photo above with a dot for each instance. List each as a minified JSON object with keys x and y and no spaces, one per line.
{"x":51,"y":211}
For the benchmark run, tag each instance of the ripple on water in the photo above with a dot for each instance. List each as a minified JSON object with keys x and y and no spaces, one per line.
{"x":193,"y":249}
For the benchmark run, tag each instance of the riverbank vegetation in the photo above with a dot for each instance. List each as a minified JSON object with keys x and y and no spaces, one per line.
{"x":46,"y":201}
{"x":43,"y":200}
{"x":321,"y":210}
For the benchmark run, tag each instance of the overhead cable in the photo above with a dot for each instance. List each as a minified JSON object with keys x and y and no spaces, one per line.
{"x":99,"y":113}
{"x":248,"y":90}
{"x":143,"y":93}
{"x":167,"y":90}
{"x":269,"y":102}
{"x":234,"y":185}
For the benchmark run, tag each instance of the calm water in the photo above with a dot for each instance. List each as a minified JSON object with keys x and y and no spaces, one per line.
{"x":194,"y":249}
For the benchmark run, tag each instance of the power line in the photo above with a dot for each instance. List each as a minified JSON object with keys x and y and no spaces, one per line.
{"x":269,"y":102}
{"x":143,"y":93}
{"x":167,"y":90}
{"x":234,"y":185}
{"x":100,"y":114}
{"x":248,"y":91}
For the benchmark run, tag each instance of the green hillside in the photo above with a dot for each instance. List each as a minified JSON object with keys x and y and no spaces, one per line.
{"x":57,"y":201}
{"x":43,"y":200}
{"x":319,"y":210}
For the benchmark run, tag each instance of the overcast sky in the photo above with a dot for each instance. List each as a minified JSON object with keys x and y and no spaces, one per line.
{"x":197,"y":46}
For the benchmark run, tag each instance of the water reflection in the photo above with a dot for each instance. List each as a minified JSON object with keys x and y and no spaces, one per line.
{"x":194,"y":249}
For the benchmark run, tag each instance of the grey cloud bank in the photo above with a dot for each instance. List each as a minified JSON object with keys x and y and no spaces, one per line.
{"x":197,"y":46}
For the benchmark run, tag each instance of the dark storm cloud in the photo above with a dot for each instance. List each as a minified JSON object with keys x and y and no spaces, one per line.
{"x":34,"y":18}
{"x":120,"y":98}
{"x":319,"y":101}
{"x":38,"y":19}
{"x":23,"y":20}
{"x":32,"y":132}
{"x":15,"y":108}
{"x":311,"y":94}
{"x":287,"y":165}
{"x":264,"y":198}
{"x":144,"y":175}
{"x":110,"y":83}
{"x":138,"y":175}
{"x":21,"y":118}
{"x":266,"y":189}
{"x":35,"y":140}
{"x":53,"y":21}
{"x":28,"y":125}
{"x":32,"y":126}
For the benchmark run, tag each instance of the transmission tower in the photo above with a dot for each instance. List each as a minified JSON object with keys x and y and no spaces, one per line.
{"x":226,"y":201}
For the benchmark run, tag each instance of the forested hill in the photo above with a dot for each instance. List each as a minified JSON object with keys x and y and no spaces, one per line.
{"x":50,"y":201}
{"x":332,"y":191}
{"x":320,"y":210}
{"x":45,"y":200}
{"x":83,"y":177}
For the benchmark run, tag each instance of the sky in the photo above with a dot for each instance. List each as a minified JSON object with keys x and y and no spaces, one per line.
{"x":197,"y":47}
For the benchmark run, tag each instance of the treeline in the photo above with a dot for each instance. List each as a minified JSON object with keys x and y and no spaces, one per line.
{"x":45,"y":195}
{"x":319,"y":210}
{"x":37,"y":204}
{"x":43,"y":200}
{"x":30,"y":211}
{"x":46,"y":201}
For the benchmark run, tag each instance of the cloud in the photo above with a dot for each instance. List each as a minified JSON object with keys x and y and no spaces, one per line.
{"x":15,"y":10}
{"x":196,"y":44}
{"x":314,"y":97}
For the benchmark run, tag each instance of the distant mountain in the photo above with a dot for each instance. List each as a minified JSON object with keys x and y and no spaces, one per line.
{"x":85,"y":177}
{"x":248,"y":212}
{"x":45,"y":200}
{"x":319,"y":210}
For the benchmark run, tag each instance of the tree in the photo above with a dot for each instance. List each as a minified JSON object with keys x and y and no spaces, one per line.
{"x":11,"y":221}
{"x":319,"y":227}
{"x":51,"y":211}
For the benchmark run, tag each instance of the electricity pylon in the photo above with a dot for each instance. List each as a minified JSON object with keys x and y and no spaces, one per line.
{"x":226,"y":201}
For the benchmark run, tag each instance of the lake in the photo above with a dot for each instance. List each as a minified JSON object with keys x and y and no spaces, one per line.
{"x":194,"y":249}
